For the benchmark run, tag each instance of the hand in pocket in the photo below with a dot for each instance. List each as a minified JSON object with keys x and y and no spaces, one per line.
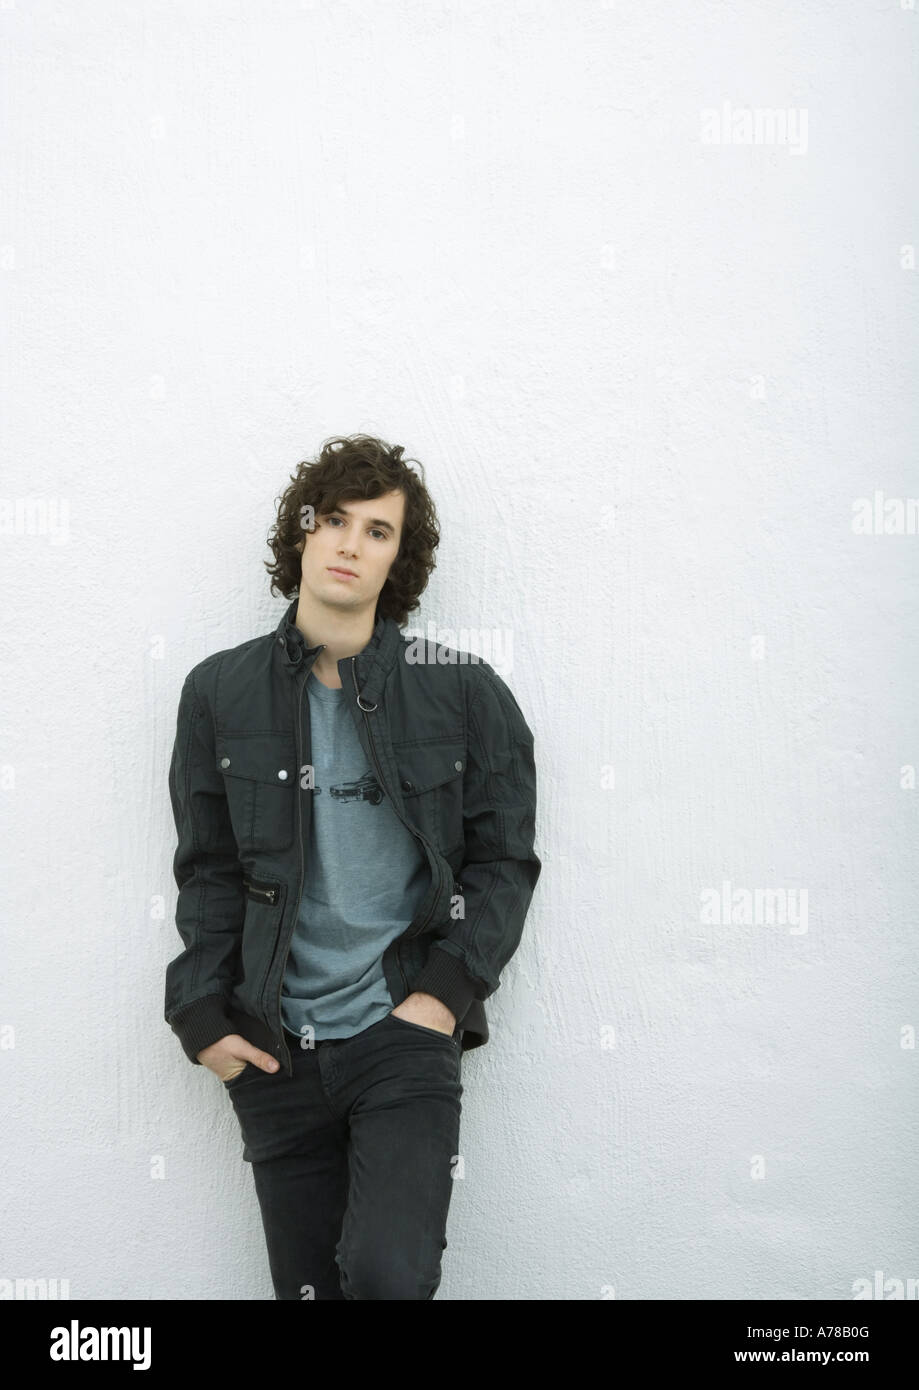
{"x":230,"y":1055}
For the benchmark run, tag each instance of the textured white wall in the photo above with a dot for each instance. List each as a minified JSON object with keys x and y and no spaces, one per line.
{"x":648,"y":375}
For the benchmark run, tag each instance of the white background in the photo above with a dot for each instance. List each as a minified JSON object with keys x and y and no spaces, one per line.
{"x":648,"y":377}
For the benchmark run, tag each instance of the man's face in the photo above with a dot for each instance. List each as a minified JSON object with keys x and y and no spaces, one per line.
{"x":360,"y":535}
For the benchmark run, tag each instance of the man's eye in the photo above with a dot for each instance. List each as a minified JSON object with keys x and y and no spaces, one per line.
{"x":376,"y":530}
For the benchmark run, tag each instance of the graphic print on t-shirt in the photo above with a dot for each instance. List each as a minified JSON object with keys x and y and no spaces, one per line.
{"x":366,"y":788}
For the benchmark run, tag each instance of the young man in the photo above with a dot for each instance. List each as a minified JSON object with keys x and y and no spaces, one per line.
{"x":355,"y":815}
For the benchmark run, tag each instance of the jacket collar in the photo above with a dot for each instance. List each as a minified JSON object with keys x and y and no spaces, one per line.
{"x":372,"y":662}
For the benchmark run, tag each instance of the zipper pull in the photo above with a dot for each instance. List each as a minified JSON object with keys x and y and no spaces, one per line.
{"x":368,"y":709}
{"x":270,"y":893}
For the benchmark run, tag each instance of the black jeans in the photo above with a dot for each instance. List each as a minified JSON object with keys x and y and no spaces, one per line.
{"x":352,"y":1160}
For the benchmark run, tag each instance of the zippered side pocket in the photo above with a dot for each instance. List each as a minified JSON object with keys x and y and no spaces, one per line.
{"x":261,"y":892}
{"x":261,"y":931}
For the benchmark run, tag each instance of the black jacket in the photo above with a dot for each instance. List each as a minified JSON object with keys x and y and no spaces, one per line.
{"x":452,"y":751}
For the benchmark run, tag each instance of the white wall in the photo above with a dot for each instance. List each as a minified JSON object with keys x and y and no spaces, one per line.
{"x":648,"y":376}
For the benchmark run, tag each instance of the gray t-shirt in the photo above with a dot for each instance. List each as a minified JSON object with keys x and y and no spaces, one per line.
{"x":363,"y":881}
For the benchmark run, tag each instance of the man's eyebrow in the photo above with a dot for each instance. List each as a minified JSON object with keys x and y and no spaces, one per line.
{"x":374,"y":520}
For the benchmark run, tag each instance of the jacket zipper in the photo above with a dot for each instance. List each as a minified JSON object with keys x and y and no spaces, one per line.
{"x":416,"y":833}
{"x":278,"y":1016}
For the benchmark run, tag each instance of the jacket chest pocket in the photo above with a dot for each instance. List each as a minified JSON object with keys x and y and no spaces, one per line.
{"x":431,"y":781}
{"x":260,"y":779}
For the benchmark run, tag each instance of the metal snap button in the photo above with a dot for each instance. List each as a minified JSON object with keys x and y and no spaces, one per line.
{"x":458,"y":765}
{"x":283,"y":774}
{"x":224,"y":762}
{"x":407,"y":786}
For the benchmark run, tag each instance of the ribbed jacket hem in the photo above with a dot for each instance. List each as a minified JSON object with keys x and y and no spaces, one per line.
{"x":201,"y":1023}
{"x":444,"y":977}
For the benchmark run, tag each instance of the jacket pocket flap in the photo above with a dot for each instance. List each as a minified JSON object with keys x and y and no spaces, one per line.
{"x":267,"y":758}
{"x":423,"y":766}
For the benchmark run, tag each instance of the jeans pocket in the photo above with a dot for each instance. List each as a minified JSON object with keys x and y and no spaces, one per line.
{"x":420,"y":1028}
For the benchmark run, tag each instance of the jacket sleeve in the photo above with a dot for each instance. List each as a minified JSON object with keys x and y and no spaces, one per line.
{"x":500,"y":868}
{"x":211,"y":904}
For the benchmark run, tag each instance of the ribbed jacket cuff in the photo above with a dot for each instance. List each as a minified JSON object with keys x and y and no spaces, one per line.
{"x":444,"y":977}
{"x":201,"y":1023}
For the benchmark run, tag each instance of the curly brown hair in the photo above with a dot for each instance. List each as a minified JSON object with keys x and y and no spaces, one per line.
{"x":351,"y":467}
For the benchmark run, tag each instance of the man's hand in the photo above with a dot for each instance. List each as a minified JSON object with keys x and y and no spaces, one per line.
{"x":227,"y":1057}
{"x":426,"y":1010}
